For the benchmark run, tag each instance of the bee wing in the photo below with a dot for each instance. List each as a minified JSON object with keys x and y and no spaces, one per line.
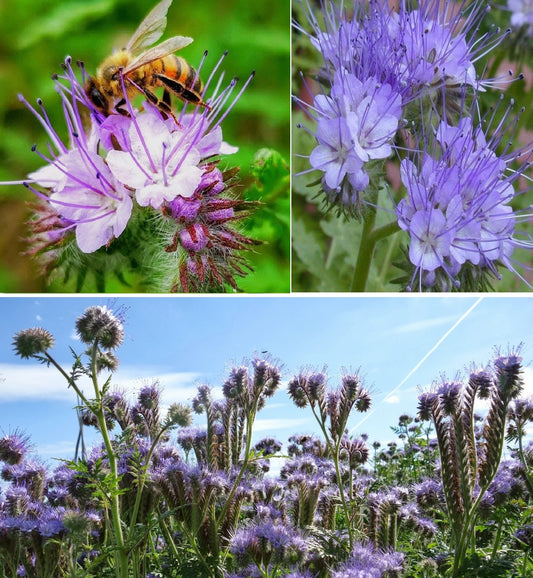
{"x":150,"y":29}
{"x":160,"y":51}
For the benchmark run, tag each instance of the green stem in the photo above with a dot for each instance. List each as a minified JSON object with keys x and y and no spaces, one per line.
{"x":122,"y":558}
{"x":142,"y":481}
{"x":249,"y":428}
{"x":369,"y":238}
{"x":496,"y":545}
{"x":364,"y":256}
{"x":334,"y":450}
{"x":71,"y":382}
{"x":527,"y":479}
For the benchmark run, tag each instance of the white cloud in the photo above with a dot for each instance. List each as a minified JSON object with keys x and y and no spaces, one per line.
{"x":392,"y":399}
{"x":35,"y":382}
{"x":25,"y":382}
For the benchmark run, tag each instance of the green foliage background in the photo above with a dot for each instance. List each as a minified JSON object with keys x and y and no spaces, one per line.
{"x":35,"y":37}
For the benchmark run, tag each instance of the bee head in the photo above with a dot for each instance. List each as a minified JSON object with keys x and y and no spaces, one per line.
{"x":95,"y":95}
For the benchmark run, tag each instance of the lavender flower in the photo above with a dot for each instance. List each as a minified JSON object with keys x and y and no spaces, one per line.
{"x":368,"y":562}
{"x":522,"y":14}
{"x":101,"y":183}
{"x":374,"y":65}
{"x":458,"y":210}
{"x":268,"y":543}
{"x":355,"y":125}
{"x":13,"y":448}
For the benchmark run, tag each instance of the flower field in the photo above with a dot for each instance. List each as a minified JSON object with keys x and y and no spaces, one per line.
{"x":449,"y":495}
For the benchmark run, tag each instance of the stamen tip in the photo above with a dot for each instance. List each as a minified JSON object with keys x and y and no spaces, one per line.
{"x":33,"y":148}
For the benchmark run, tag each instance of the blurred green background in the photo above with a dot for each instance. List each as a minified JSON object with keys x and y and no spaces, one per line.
{"x":35,"y":37}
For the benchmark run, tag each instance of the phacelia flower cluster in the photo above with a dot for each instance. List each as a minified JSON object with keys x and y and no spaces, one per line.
{"x":458,"y":209}
{"x":143,"y":184}
{"x":375,"y":64}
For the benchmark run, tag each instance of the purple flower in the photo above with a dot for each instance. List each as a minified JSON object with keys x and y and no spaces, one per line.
{"x":375,"y":63}
{"x":367,"y":562}
{"x":457,"y":210}
{"x":436,"y":43}
{"x":355,"y":125}
{"x":522,"y":14}
{"x":267,"y":543}
{"x":105,"y":186}
{"x":13,"y":448}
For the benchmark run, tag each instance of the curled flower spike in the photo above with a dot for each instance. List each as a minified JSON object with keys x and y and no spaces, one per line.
{"x":140,"y":187}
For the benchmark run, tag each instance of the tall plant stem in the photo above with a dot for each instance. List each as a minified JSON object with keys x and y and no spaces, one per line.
{"x":121,"y":555}
{"x":334,"y":450}
{"x":369,"y":238}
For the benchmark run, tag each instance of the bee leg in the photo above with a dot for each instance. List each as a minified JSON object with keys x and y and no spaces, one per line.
{"x":119,"y":109}
{"x":166,"y":97}
{"x":179,"y":90}
{"x":162,"y":105}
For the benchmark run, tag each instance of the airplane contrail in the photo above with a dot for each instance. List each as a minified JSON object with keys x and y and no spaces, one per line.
{"x":415,"y":368}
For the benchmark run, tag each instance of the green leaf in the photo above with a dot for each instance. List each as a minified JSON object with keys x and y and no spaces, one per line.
{"x":63,"y":18}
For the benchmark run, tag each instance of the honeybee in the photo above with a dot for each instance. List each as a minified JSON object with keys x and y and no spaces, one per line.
{"x":140,"y":69}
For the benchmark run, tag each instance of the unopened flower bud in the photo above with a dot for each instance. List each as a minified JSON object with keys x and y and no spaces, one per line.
{"x":32,"y":342}
{"x":100,"y":324}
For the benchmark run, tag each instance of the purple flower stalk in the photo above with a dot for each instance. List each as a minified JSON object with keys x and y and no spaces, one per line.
{"x":101,"y":183}
{"x":458,"y":209}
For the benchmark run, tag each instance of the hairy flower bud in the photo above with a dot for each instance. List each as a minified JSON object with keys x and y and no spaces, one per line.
{"x":32,"y":342}
{"x":180,"y":415}
{"x":100,"y":324}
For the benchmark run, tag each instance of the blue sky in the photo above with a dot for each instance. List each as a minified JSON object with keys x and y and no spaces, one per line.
{"x":399,"y":344}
